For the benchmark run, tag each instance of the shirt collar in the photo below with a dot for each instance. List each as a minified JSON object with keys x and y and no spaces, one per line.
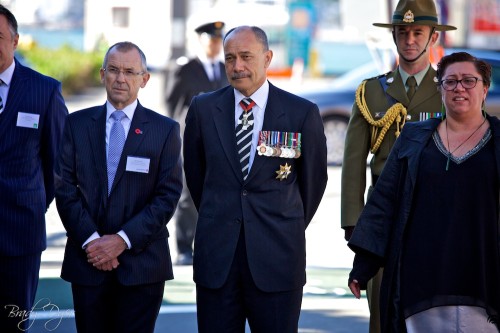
{"x":419,"y":76}
{"x":259,"y":96}
{"x":207,"y":61}
{"x":129,"y":109}
{"x":6,"y":75}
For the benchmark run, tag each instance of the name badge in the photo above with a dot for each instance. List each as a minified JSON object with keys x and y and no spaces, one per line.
{"x":137,"y":164}
{"x":28,"y":120}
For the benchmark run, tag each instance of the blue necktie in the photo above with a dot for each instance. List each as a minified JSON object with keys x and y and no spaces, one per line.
{"x":244,"y":134}
{"x":116,"y":143}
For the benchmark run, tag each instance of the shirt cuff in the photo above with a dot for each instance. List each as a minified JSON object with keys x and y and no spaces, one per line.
{"x":124,"y":236}
{"x":95,"y":235}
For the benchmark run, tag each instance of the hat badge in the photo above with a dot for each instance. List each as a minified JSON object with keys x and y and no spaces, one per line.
{"x":409,"y":17}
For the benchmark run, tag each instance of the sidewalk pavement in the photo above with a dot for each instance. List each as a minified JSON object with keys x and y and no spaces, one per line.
{"x":328,"y":305}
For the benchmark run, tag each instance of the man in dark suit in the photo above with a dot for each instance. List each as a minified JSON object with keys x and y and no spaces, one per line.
{"x":203,"y":73}
{"x":115,"y":205}
{"x":32,"y":113}
{"x":255,"y":195}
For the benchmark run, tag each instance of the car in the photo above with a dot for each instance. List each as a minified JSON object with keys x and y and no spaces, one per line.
{"x":335,"y":102}
{"x":336,"y":99}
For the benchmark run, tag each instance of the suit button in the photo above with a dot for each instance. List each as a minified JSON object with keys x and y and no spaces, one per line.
{"x":244,"y":192}
{"x":238,"y":221}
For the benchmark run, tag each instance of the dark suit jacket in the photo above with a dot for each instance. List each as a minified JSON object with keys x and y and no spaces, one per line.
{"x":275,"y":213}
{"x":190,"y":80}
{"x":27,"y":157}
{"x":141,"y":204}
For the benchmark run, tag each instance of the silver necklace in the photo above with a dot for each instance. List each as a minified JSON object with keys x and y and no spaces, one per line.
{"x":460,"y":145}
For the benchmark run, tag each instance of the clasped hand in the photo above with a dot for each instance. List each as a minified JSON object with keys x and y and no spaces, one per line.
{"x":103,"y":252}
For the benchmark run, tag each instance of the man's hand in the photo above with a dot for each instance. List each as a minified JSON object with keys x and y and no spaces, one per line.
{"x":109,"y":266}
{"x":355,"y":288}
{"x":103,"y":252}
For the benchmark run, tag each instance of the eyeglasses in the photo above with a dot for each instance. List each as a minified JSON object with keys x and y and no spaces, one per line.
{"x":128,"y":73}
{"x":467,"y":83}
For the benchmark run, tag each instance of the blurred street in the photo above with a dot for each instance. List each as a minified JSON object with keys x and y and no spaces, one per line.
{"x":328,"y":305}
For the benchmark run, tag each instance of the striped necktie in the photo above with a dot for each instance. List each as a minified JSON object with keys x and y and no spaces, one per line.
{"x":244,"y":134}
{"x":116,"y":143}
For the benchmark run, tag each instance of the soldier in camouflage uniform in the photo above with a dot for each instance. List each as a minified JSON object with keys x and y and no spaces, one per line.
{"x":382,"y":106}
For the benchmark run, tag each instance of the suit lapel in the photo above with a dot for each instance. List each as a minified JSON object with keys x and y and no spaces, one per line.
{"x":202,"y":71}
{"x":426,"y":90}
{"x":97,"y":139}
{"x":273,"y":119}
{"x":17,"y":93}
{"x":396,"y":88}
{"x":138,"y":131}
{"x":223,"y":117}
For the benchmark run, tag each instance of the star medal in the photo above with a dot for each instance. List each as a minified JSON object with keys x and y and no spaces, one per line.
{"x":284,"y":171}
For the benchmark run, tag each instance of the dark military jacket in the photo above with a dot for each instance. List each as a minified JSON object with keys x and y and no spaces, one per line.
{"x":189,"y":81}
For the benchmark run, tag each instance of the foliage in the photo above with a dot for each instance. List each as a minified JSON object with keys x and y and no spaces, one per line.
{"x":75,"y":69}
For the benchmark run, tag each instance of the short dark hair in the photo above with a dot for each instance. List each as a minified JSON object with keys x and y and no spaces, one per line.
{"x":11,"y":20}
{"x":482,"y":66}
{"x":124,"y":47}
{"x":260,"y":35}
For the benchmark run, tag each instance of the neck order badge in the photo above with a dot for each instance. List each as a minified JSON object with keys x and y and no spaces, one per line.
{"x":244,"y":134}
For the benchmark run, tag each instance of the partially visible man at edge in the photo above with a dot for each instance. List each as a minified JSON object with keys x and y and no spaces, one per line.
{"x":32,"y":113}
{"x":383,"y":104}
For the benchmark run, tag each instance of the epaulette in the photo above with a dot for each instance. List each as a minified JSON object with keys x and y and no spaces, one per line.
{"x":378,"y":76}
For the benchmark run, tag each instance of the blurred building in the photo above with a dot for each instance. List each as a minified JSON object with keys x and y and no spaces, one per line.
{"x":146,"y":23}
{"x":327,"y":36}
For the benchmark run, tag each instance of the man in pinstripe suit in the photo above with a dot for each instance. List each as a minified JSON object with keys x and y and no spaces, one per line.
{"x":117,"y":256}
{"x":32,"y":113}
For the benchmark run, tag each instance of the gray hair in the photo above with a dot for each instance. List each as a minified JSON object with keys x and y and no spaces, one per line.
{"x":124,"y":47}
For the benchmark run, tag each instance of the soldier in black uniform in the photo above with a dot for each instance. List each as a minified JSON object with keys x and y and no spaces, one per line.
{"x":201,"y":74}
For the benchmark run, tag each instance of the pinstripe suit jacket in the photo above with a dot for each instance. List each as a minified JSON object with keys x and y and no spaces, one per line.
{"x":27,"y":157}
{"x":141,"y":204}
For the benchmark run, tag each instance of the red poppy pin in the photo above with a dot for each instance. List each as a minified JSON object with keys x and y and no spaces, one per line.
{"x":138,"y":131}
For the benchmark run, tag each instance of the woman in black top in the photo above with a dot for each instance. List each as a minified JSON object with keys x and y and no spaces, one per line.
{"x":433,"y":218}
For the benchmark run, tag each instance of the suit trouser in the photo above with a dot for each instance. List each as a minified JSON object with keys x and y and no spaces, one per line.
{"x":373,"y":295}
{"x":18,"y":285}
{"x":114,"y":308}
{"x":224,"y":310}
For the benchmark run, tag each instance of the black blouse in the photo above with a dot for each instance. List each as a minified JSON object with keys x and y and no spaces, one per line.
{"x":450,"y":251}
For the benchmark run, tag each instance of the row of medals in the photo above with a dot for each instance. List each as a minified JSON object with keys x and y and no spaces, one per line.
{"x":271,"y":144}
